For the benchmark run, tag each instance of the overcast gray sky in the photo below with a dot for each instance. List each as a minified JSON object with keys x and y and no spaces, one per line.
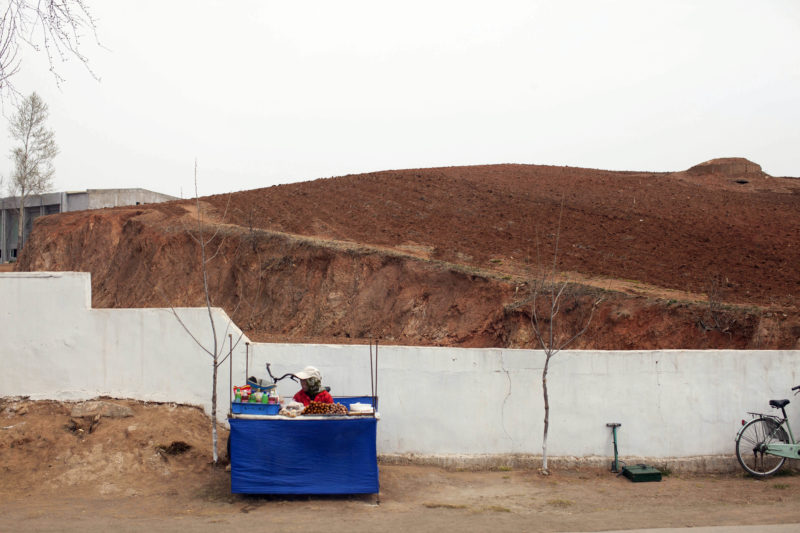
{"x":264,"y":92}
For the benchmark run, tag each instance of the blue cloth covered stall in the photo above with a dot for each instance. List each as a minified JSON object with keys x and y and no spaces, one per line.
{"x":304,"y":455}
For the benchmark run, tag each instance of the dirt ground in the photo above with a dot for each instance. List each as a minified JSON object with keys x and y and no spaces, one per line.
{"x":151,"y":471}
{"x":418,"y":499}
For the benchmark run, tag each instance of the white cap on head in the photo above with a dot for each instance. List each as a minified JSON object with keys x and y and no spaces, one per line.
{"x":309,"y":372}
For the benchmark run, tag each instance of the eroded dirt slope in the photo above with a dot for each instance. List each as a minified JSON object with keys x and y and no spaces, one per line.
{"x":442,"y":256}
{"x":43,"y":447}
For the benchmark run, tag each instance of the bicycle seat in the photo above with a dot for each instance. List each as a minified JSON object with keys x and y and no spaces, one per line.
{"x":779,"y":404}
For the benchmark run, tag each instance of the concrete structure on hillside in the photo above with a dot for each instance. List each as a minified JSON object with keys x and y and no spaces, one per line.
{"x":60,"y":202}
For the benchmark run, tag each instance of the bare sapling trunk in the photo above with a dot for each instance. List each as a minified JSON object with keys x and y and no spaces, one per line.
{"x":214,"y":437}
{"x":209,"y":246}
{"x":549,"y":292}
{"x":546,"y":413}
{"x":215,"y":350}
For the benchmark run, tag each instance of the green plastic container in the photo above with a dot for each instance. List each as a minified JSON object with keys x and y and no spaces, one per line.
{"x":639,"y":473}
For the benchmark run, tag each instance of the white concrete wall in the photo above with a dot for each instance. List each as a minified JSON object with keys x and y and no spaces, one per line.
{"x":76,"y":201}
{"x":671,"y":403}
{"x":56,"y":347}
{"x":100,"y":198}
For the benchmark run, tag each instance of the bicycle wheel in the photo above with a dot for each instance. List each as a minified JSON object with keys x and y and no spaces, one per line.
{"x":751,"y":445}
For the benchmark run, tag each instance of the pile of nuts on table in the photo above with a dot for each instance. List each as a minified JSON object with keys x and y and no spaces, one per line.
{"x":319,"y":408}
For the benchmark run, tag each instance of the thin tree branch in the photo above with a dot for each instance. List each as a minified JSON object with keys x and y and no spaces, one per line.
{"x":187,"y":330}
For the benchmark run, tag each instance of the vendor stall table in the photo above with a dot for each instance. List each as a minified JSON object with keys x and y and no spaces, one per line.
{"x":303,"y":455}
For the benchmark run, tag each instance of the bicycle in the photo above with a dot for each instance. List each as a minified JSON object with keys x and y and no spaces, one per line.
{"x":764,"y":443}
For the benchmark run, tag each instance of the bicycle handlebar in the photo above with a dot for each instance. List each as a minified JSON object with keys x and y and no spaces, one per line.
{"x":276,"y":380}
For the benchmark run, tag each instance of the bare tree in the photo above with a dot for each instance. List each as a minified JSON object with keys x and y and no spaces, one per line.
{"x":216,"y":348}
{"x":33,"y":156}
{"x":55,"y":25}
{"x":715,"y":317}
{"x":210,"y":243}
{"x":550,"y":296}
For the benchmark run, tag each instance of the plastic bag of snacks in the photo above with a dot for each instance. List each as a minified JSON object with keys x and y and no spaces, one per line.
{"x":292,"y":409}
{"x":241,"y":394}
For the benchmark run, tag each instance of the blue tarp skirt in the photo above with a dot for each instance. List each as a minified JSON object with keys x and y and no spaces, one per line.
{"x":333,"y":455}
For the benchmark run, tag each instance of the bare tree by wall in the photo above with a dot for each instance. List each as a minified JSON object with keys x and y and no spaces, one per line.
{"x":206,"y":242}
{"x":210,"y":240}
{"x":552,"y":296}
{"x":32,"y":156}
{"x":55,"y":25}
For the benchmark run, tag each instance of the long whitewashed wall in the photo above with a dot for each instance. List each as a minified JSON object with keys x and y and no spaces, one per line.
{"x":55,"y":346}
{"x":435,"y":401}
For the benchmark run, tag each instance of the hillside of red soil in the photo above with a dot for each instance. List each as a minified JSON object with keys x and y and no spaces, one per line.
{"x":703,"y":258}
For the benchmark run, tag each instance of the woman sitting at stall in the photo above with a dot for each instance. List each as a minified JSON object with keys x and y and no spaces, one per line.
{"x":312,"y":391}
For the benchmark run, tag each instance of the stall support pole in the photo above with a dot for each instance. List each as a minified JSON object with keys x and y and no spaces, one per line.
{"x":230,"y":382}
{"x":246,"y":361}
{"x":371,"y":375}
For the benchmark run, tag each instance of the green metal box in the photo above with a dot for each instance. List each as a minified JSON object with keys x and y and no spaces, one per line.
{"x":639,"y":473}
